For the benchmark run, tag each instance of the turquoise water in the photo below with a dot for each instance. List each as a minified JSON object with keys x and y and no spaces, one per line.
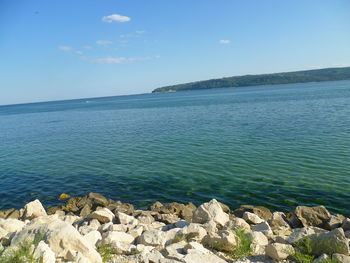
{"x":278,"y":146}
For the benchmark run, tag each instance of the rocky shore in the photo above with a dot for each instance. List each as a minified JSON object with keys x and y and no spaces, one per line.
{"x":95,"y":229}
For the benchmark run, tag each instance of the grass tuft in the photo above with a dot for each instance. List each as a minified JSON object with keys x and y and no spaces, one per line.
{"x":24,"y":253}
{"x":107,"y":252}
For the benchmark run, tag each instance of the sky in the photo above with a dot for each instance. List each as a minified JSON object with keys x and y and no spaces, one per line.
{"x":66,"y":49}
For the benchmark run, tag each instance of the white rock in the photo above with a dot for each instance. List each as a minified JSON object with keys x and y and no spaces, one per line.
{"x":210,"y":211}
{"x":153,"y":237}
{"x":240,"y":223}
{"x":258,"y":238}
{"x":259,"y":241}
{"x":126,"y":219}
{"x":95,"y":224}
{"x":33,"y":209}
{"x":70,"y":219}
{"x":61,"y":237}
{"x":44,"y":219}
{"x":330,"y":242}
{"x":196,"y":256}
{"x":210,"y":227}
{"x":44,"y":252}
{"x":83,"y":230}
{"x":264,"y":228}
{"x":300,"y":233}
{"x":103,"y":215}
{"x":93,"y":237}
{"x":10,"y":225}
{"x":116,"y":236}
{"x":196,"y":229}
{"x":175,"y":250}
{"x":3,"y":233}
{"x":135,"y":232}
{"x":321,"y":259}
{"x":252,"y":218}
{"x":279,"y":251}
{"x":341,"y":258}
{"x":196,"y":246}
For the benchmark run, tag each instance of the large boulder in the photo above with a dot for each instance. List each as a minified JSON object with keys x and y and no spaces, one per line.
{"x":181,"y":210}
{"x":260,"y":211}
{"x":152,"y":238}
{"x":11,"y":225}
{"x":279,"y":251}
{"x":33,"y":209}
{"x":103,"y":215}
{"x":44,"y":252}
{"x":346,"y":224}
{"x":61,"y":238}
{"x":210,"y":211}
{"x":279,"y":224}
{"x":252,"y":218}
{"x":312,"y":216}
{"x":330,"y":242}
{"x":198,"y":256}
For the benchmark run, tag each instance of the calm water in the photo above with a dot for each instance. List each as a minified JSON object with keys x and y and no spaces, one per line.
{"x":277,"y":146}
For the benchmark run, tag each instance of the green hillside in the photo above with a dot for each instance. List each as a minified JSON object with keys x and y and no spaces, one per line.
{"x":317,"y":75}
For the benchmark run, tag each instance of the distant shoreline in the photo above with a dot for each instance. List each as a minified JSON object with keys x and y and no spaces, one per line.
{"x":304,"y":76}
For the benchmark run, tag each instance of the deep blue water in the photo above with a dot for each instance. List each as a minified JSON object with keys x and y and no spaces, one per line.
{"x":278,"y":146}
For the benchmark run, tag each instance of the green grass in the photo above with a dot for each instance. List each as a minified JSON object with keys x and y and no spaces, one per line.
{"x":304,"y":252}
{"x":107,"y":252}
{"x":24,"y":253}
{"x":241,"y":250}
{"x":186,"y":237}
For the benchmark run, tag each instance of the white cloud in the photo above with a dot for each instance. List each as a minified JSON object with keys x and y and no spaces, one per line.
{"x":103,"y":42}
{"x":65,"y":48}
{"x":109,"y":60}
{"x":115,"y":17}
{"x":87,"y":47}
{"x":79,"y":52}
{"x":140,"y":32}
{"x":119,"y":60}
{"x":224,"y":41}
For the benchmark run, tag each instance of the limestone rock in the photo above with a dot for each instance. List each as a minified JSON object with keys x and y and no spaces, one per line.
{"x":299,"y":234}
{"x":11,"y":225}
{"x":181,"y":210}
{"x":196,"y":230}
{"x":252,"y":218}
{"x":44,"y":252}
{"x":60,"y":236}
{"x":175,"y":250}
{"x":197,"y":256}
{"x":341,"y":258}
{"x":346,"y":224}
{"x":152,"y":238}
{"x":93,"y":237}
{"x":330,"y":242}
{"x":168,"y":218}
{"x":334,"y":221}
{"x":125,"y":219}
{"x":239,"y":223}
{"x":103,"y":215}
{"x":264,"y":228}
{"x":210,"y":211}
{"x":279,"y":251}
{"x":312,"y":216}
{"x":33,"y":209}
{"x":260,"y":211}
{"x":279,"y":224}
{"x":321,"y":259}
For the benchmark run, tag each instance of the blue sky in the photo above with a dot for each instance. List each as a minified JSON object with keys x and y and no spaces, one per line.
{"x":53,"y":50}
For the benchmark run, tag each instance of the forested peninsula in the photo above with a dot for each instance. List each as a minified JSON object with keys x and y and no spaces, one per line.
{"x":317,"y":75}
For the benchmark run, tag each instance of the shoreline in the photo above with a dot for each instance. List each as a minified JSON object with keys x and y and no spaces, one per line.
{"x":94,"y":228}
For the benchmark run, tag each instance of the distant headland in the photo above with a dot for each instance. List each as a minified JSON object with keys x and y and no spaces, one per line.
{"x":316,"y":75}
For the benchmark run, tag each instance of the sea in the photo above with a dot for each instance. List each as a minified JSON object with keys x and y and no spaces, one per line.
{"x":277,"y":146}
